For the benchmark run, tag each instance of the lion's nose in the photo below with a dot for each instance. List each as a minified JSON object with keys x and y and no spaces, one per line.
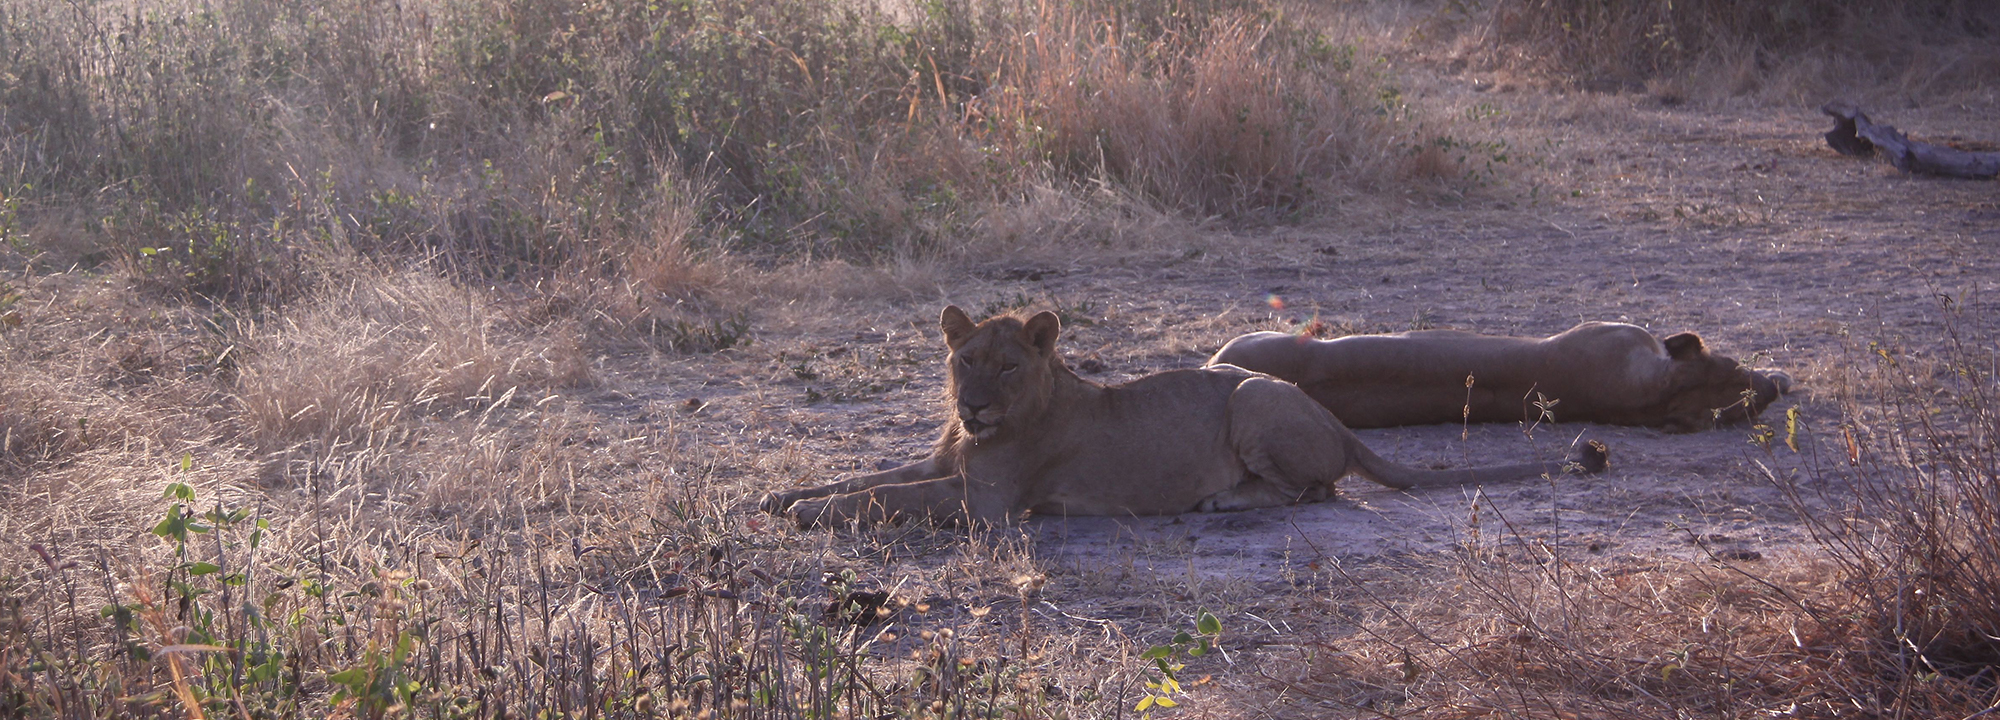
{"x":971,"y":407}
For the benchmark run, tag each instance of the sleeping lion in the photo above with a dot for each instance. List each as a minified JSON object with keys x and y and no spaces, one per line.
{"x":1601,"y":372}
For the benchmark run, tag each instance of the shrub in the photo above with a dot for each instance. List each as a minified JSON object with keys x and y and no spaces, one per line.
{"x":1908,"y":508}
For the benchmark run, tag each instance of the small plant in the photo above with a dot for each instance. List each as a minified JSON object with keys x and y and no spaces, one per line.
{"x":215,"y":619}
{"x":206,"y":253}
{"x":381,"y":680}
{"x":11,"y":233}
{"x":1163,"y":682}
{"x":9,"y":297}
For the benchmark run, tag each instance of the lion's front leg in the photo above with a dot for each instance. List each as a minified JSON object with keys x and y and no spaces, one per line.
{"x":942,"y":500}
{"x":929,"y":468}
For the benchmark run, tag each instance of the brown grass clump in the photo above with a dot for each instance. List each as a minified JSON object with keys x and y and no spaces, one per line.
{"x":1222,"y":120}
{"x":350,"y":366}
{"x":1524,"y":630}
{"x":1548,"y":636}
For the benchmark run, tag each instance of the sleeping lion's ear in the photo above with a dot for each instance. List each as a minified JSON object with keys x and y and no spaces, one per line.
{"x":1041,"y":331}
{"x":957,"y":327}
{"x":1684,"y":346}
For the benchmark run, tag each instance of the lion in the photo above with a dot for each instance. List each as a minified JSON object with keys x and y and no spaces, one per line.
{"x":1600,"y":372}
{"x":1027,"y":435}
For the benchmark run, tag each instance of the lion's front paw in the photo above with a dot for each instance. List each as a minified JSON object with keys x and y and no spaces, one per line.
{"x":777,"y":503}
{"x":808,"y":514}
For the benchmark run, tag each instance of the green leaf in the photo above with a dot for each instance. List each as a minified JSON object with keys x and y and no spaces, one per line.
{"x":1165,"y":702}
{"x":1208,"y":624}
{"x":201,"y":568}
{"x":350,"y":677}
{"x":187,"y":462}
{"x":1156,"y":652}
{"x":1182,"y":638}
{"x":174,"y":526}
{"x":1145,"y":704}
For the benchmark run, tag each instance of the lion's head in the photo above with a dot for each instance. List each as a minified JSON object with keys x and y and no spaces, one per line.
{"x":1705,"y":389}
{"x":1001,"y":370}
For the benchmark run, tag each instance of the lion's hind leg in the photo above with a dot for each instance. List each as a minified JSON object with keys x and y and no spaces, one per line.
{"x":1292,"y":449}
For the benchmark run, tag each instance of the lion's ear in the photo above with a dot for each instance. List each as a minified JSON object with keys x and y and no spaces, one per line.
{"x":1684,"y":346}
{"x":957,"y":327}
{"x":1041,"y":331}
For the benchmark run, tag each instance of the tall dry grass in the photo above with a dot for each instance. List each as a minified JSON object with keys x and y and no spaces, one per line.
{"x":214,"y":146}
{"x":1794,"y":50}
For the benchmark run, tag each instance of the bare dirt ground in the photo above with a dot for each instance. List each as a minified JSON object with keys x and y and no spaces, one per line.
{"x":1739,"y":224}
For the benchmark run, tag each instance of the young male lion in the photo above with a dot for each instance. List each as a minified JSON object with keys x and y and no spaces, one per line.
{"x":1595,"y":372}
{"x":1029,"y":435}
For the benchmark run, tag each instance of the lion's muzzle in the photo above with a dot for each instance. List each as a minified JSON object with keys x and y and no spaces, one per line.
{"x":979,"y":420}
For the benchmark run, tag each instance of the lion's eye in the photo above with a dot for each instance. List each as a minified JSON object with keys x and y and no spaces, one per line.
{"x":1008,"y":367}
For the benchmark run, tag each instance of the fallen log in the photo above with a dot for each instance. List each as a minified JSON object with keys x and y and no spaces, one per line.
{"x":1854,"y":134}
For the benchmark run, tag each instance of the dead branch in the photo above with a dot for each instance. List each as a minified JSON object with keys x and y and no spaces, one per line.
{"x":1854,"y":134}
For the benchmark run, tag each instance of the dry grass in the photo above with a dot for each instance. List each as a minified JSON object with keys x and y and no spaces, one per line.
{"x":220,"y":149}
{"x":1795,"y":51}
{"x":359,"y":362}
{"x":1532,"y":633}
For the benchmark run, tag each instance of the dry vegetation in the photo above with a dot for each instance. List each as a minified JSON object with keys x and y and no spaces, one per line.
{"x":321,"y":323}
{"x":1790,"y":50}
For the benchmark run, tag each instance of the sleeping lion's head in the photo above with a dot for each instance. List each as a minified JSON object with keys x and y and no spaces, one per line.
{"x":1706,"y":390}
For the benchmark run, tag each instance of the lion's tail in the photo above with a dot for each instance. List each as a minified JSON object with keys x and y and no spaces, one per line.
{"x":1584,"y":458}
